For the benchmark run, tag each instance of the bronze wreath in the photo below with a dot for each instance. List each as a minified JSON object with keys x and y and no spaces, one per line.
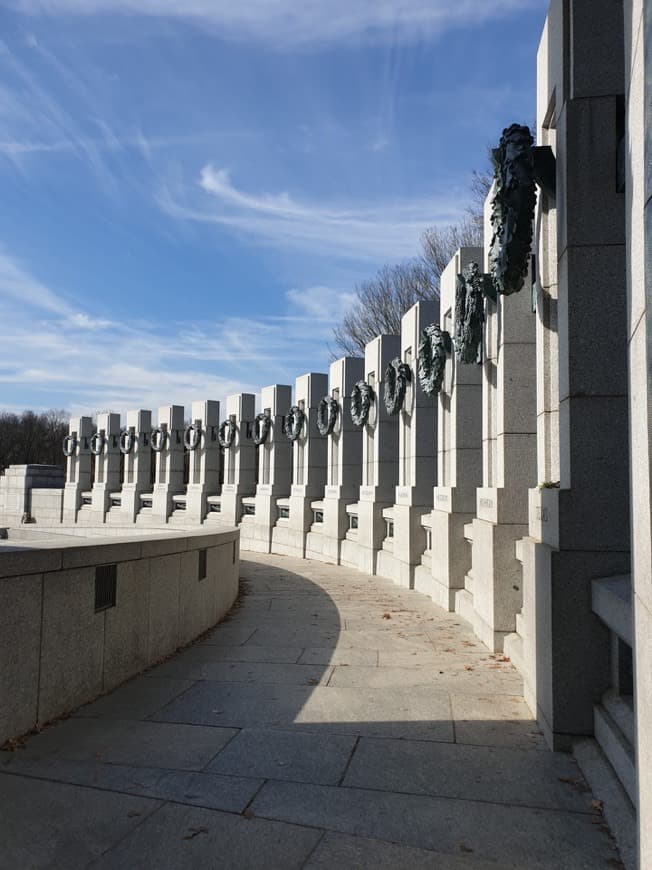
{"x":97,"y":442}
{"x":69,"y":445}
{"x":127,"y":440}
{"x":262,"y":425}
{"x":226,"y":441}
{"x":431,"y":361}
{"x":397,"y":376}
{"x":362,"y":395}
{"x":327,"y":412}
{"x":192,"y":436}
{"x":158,"y":438}
{"x":293,"y":423}
{"x":469,"y":314}
{"x":512,"y":209}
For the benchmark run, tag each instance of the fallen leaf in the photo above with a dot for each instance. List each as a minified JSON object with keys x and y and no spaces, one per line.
{"x":386,"y":616}
{"x":464,"y":848}
{"x":249,"y":814}
{"x":194,"y":832}
{"x":597,"y":805}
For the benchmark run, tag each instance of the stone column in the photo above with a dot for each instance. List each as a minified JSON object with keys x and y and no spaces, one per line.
{"x":295,"y":515}
{"x":638,"y":81}
{"x":379,"y":463}
{"x":274,"y":471}
{"x":343,"y":466}
{"x":579,"y":512}
{"x":204,"y":461}
{"x":402,"y":552}
{"x":168,"y":473}
{"x":239,"y":458}
{"x":493,"y":590}
{"x":136,"y":469}
{"x":78,"y":468}
{"x":459,"y":459}
{"x":107,"y":468}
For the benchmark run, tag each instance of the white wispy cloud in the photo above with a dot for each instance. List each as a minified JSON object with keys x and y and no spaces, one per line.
{"x":288,"y":22}
{"x":386,"y":230}
{"x":73,"y":358}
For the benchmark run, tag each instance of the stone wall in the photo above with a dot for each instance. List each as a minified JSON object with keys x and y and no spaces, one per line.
{"x":58,"y":650}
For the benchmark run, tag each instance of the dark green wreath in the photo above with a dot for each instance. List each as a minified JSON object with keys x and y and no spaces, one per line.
{"x":362,"y":395}
{"x":397,"y":376}
{"x":512,"y":209}
{"x":262,"y":425}
{"x":293,"y":423}
{"x":469,"y":314}
{"x":158,"y":438}
{"x":327,"y":412}
{"x":226,"y":433}
{"x":431,"y":359}
{"x":69,"y":445}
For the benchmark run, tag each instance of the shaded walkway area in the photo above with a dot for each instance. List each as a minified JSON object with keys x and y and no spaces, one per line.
{"x":333,"y":721}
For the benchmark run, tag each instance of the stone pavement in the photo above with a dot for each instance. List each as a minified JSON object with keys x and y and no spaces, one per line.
{"x":333,"y":721}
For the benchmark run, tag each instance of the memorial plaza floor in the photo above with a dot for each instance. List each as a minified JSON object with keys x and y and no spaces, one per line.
{"x":334,"y":720}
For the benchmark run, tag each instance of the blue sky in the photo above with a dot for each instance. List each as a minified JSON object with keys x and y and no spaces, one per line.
{"x":192,"y":188}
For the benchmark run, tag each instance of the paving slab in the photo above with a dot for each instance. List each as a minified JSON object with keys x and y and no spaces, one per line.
{"x":293,"y":755}
{"x":186,"y":838}
{"x":362,"y":853}
{"x":137,"y":699}
{"x":415,"y":712}
{"x":245,"y":672}
{"x":567,"y":841}
{"x":495,"y":774}
{"x":117,"y":741}
{"x":50,"y":825}
{"x":244,"y":653}
{"x":495,"y":720}
{"x":210,"y":790}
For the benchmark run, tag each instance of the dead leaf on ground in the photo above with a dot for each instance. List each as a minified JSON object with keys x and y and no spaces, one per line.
{"x":464,"y":848}
{"x":597,"y":805}
{"x":386,"y":616}
{"x":468,"y":668}
{"x":194,"y":832}
{"x":249,"y":814}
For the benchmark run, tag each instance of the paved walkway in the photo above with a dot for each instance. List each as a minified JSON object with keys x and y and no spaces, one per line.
{"x":333,"y":721}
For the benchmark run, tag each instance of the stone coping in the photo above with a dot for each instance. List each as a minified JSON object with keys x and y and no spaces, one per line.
{"x":49,"y":554}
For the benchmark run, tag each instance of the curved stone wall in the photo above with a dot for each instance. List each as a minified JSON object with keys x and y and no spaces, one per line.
{"x":80,"y":616}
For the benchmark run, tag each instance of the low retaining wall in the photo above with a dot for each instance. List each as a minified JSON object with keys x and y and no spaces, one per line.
{"x":79,"y":618}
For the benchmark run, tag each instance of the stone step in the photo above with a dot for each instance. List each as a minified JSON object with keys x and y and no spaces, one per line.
{"x":513,"y":649}
{"x":464,"y":604}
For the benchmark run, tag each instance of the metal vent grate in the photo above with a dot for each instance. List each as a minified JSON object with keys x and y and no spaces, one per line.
{"x":105,"y":586}
{"x":201,"y":570}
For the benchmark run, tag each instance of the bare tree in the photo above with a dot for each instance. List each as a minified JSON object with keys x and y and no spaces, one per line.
{"x":380,"y":303}
{"x":32,"y":438}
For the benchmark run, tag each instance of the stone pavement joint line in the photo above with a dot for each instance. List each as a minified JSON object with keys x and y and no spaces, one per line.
{"x":333,"y":720}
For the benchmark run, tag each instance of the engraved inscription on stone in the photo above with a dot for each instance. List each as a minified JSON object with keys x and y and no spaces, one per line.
{"x":486,"y":502}
{"x":542,"y":514}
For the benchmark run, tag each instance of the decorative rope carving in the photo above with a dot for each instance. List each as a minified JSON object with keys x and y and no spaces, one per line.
{"x":97,"y":442}
{"x":127,"y":441}
{"x":226,"y":433}
{"x":192,"y":436}
{"x":434,"y":346}
{"x":158,"y":439}
{"x":293,"y":424}
{"x":327,"y":412}
{"x":397,"y":376}
{"x":262,"y":425}
{"x":69,"y":445}
{"x":512,"y":209}
{"x":362,"y":395}
{"x":469,"y":314}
